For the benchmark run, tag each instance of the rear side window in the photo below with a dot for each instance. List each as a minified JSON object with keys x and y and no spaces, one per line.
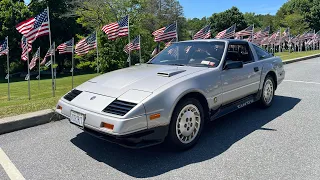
{"x":239,"y":52}
{"x":262,"y":54}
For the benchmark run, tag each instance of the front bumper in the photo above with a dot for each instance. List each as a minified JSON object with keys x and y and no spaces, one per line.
{"x":131,"y":132}
{"x":137,"y":140}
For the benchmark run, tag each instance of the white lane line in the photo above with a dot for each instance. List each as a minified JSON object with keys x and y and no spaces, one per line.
{"x":9,"y":167}
{"x":305,"y":82}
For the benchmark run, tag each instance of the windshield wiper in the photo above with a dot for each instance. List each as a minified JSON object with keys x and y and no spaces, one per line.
{"x":177,"y":64}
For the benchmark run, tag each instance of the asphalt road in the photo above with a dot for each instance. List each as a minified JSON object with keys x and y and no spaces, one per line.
{"x":281,"y":142}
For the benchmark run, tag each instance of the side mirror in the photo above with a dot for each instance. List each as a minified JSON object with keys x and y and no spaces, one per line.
{"x":233,"y":65}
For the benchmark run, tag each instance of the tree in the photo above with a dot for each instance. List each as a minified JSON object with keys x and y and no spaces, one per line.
{"x":11,"y":13}
{"x":292,"y":20}
{"x":223,"y":20}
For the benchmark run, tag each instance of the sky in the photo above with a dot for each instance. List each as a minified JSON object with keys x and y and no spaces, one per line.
{"x":201,"y":8}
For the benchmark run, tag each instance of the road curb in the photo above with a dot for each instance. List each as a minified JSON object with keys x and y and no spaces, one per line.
{"x":301,"y":59}
{"x":14,"y":123}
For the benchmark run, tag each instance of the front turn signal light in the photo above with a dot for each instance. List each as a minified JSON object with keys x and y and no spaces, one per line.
{"x":154,"y":116}
{"x":108,"y":126}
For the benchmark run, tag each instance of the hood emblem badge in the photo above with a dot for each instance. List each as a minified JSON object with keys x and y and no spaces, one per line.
{"x":92,"y":98}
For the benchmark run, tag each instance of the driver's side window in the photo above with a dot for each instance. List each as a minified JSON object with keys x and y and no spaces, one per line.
{"x":239,"y":52}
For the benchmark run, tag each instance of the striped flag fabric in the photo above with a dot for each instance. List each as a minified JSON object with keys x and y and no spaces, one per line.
{"x":26,"y":48}
{"x":35,"y":57}
{"x":246,"y":32}
{"x":204,"y":33}
{"x":35,"y":27}
{"x":165,"y":33}
{"x":4,"y":47}
{"x":167,"y":44}
{"x":86,"y":44}
{"x":49,"y":53}
{"x":133,"y":45}
{"x":227,"y":33}
{"x":117,"y":29}
{"x":66,"y":47}
{"x":274,"y":37}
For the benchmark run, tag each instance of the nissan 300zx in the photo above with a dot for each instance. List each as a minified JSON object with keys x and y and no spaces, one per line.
{"x":171,"y":97}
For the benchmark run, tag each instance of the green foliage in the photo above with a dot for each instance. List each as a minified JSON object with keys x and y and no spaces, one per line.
{"x":223,"y":20}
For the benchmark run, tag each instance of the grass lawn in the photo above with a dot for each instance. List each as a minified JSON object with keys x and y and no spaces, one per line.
{"x":286,"y":55}
{"x":40,"y":98}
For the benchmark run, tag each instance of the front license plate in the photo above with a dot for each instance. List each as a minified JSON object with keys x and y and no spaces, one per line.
{"x":77,"y":118}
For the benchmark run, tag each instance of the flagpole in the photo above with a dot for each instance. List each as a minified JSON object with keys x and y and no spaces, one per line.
{"x":289,"y":40}
{"x":55,"y":68}
{"x":252,"y":33}
{"x":28,"y":74}
{"x":314,"y":33}
{"x":72,"y":61}
{"x":129,"y":39}
{"x":52,"y":81}
{"x":39,"y":70}
{"x":140,"y":48}
{"x":97,"y":54}
{"x":8,"y":68}
{"x":177,"y":31}
{"x":280,"y":41}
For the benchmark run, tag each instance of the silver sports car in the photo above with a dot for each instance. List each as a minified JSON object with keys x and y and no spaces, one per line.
{"x":171,"y":97}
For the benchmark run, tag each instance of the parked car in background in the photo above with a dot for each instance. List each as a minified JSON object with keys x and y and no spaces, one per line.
{"x":171,"y":97}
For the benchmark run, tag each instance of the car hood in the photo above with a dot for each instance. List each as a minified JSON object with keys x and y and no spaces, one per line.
{"x":145,"y":77}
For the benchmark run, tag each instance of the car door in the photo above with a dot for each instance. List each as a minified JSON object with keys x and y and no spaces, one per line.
{"x":238,"y":83}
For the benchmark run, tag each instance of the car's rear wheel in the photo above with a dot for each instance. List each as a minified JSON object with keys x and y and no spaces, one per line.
{"x":267,"y":92}
{"x":186,"y":124}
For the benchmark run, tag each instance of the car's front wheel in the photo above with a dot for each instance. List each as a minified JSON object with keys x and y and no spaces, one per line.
{"x":186,"y":124}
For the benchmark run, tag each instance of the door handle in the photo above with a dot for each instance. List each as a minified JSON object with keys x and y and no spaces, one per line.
{"x":256,"y":69}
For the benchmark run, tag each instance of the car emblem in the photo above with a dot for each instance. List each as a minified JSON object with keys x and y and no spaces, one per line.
{"x":92,"y":98}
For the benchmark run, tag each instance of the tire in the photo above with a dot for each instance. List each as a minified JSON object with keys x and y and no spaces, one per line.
{"x":186,"y":124}
{"x":267,"y":94}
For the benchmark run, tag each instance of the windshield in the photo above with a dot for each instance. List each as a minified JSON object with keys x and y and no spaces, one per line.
{"x":191,"y":54}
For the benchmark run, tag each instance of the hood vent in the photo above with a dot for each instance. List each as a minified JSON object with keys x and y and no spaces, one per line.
{"x":119,"y":107}
{"x":171,"y":72}
{"x":72,"y":94}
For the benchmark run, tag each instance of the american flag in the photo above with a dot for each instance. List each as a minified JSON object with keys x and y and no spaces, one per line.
{"x":117,"y":29}
{"x":227,"y":33}
{"x":263,"y":33}
{"x":66,"y":47}
{"x":35,"y":57}
{"x":167,"y":44}
{"x":165,"y":33}
{"x":35,"y":27}
{"x":26,"y":48}
{"x":204,"y":33}
{"x":274,"y":37}
{"x":246,"y":32}
{"x":133,"y":45}
{"x":86,"y":44}
{"x":49,"y":53}
{"x":4,"y":47}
